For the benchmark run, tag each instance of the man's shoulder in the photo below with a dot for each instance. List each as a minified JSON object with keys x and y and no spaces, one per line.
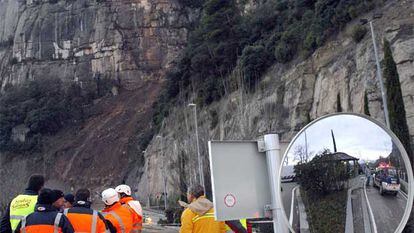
{"x":188,"y":213}
{"x":134,"y":203}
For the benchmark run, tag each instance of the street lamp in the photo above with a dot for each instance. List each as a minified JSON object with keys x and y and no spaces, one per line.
{"x":148,"y":181}
{"x":164,"y":173}
{"x":200,"y":164}
{"x":379,"y":74}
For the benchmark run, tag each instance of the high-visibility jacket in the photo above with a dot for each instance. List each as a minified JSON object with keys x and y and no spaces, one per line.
{"x":199,"y":218}
{"x":236,"y":226}
{"x":45,"y":219}
{"x":20,"y":207}
{"x":120,"y":217}
{"x":86,"y":220}
{"x":136,"y":210}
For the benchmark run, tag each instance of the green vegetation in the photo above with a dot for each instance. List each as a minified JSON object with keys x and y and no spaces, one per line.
{"x":320,"y":177}
{"x":225,"y":38}
{"x":323,"y":191}
{"x":358,"y":33}
{"x":366,"y":104}
{"x":396,"y":109}
{"x":254,"y":61}
{"x":42,"y":107}
{"x":331,"y":208}
{"x":338,"y":103}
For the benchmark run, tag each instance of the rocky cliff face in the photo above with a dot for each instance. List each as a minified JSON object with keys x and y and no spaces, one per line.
{"x":78,"y":41}
{"x":288,"y":98}
{"x":129,"y":41}
{"x":133,"y":42}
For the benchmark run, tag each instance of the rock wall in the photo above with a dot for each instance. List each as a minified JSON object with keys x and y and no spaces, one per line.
{"x":288,"y":97}
{"x":130,"y":41}
{"x":82,"y":40}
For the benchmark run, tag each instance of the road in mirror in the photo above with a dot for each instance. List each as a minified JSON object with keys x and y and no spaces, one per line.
{"x":344,"y":173}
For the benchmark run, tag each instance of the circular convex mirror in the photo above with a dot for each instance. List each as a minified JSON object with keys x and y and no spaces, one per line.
{"x":346,"y":173}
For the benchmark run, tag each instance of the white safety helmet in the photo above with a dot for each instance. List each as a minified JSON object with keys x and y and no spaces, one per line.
{"x":123,"y":188}
{"x":110,"y":196}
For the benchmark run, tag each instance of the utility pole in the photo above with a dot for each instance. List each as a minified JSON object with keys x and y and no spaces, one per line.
{"x":306,"y":147}
{"x":164,"y":173}
{"x":200,"y":163}
{"x":379,"y":76}
{"x":148,"y":181}
{"x":333,"y":141}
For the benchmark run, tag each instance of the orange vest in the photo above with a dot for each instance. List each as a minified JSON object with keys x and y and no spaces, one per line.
{"x":136,"y":218}
{"x":85,"y":220}
{"x":120,"y":217}
{"x":44,"y":228}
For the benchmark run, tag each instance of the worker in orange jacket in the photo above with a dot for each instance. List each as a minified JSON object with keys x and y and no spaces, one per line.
{"x":46,"y":218}
{"x":198,"y":217}
{"x":118,"y":216}
{"x":133,"y":205}
{"x":82,"y":217}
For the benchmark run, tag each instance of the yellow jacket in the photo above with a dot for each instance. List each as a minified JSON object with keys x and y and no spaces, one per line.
{"x":198,"y":217}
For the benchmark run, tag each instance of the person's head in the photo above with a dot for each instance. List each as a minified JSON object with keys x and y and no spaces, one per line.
{"x":123,"y":190}
{"x":69,"y":200}
{"x":195,"y":192}
{"x":82,"y":195}
{"x":110,"y":196}
{"x":36,"y":182}
{"x":46,"y":197}
{"x":59,"y":199}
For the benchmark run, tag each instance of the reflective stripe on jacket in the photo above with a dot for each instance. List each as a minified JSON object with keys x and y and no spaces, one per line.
{"x":236,"y":226}
{"x":120,"y":217}
{"x":199,"y":218}
{"x":45,"y":219}
{"x":128,"y":202}
{"x":20,"y":207}
{"x":86,"y":220}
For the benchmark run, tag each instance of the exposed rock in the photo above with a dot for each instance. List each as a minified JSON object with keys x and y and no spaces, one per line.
{"x":132,"y":42}
{"x":85,"y":39}
{"x":19,"y":133}
{"x":289,"y":96}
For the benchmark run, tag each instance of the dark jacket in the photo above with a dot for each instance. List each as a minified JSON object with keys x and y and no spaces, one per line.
{"x":5,"y":226}
{"x":43,"y":220}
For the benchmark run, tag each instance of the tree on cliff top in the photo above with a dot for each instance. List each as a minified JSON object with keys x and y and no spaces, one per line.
{"x":396,"y":109}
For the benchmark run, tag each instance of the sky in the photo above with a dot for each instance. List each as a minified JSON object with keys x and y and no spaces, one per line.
{"x":354,"y":135}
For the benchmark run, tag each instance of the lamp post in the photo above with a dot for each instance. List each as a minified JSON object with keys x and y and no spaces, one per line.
{"x":148,"y":182}
{"x":379,"y":74}
{"x":200,"y":163}
{"x":164,"y":173}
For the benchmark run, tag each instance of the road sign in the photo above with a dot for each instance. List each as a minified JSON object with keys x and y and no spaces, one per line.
{"x":240,"y":179}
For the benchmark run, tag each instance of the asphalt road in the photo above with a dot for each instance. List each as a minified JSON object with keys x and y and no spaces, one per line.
{"x":156,"y":228}
{"x":287,"y":202}
{"x":388,"y":210}
{"x":153,"y":227}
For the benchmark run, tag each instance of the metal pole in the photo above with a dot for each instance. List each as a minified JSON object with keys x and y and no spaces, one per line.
{"x":306,"y":148}
{"x":164,"y":173}
{"x":200,"y":163}
{"x":274,"y":161}
{"x":148,"y":181}
{"x":379,"y":75}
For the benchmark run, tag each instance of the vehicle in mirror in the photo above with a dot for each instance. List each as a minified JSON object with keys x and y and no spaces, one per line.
{"x":346,"y":173}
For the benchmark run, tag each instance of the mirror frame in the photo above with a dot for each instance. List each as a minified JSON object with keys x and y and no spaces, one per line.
{"x":394,"y":139}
